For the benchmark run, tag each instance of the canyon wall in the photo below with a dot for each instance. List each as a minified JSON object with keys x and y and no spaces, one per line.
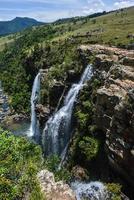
{"x":114,"y":104}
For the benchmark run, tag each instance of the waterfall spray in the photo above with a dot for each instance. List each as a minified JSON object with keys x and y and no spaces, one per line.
{"x":93,"y":190}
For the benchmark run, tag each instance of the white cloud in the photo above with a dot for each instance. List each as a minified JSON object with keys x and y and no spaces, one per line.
{"x":123,"y":3}
{"x":94,"y":6}
{"x":50,"y":10}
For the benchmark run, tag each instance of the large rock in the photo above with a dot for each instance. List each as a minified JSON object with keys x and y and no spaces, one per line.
{"x":54,"y":190}
{"x":128,"y":61}
{"x":103,"y":61}
{"x":4,"y":105}
{"x":79,"y":173}
{"x":115,"y":104}
{"x":72,"y":76}
{"x":43,"y":113}
{"x":56,"y":91}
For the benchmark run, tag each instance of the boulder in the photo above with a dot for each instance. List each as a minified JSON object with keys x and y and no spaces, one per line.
{"x":79,"y":173}
{"x":54,"y":190}
{"x":43,"y":113}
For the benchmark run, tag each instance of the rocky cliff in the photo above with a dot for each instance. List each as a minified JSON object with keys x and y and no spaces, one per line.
{"x":114,"y":104}
{"x":4,"y":107}
{"x":109,"y":107}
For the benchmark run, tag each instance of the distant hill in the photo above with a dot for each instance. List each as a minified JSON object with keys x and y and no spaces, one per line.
{"x":17,"y":24}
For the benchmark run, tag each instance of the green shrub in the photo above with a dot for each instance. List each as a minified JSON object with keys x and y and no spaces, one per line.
{"x":20,"y":161}
{"x":82,"y":119}
{"x":114,"y":190}
{"x":89,"y":147}
{"x":52,"y":164}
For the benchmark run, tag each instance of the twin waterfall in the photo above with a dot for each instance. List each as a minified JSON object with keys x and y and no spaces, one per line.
{"x":57,"y":132}
{"x":34,"y":127}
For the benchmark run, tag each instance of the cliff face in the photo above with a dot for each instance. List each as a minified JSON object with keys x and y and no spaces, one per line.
{"x":4,"y":107}
{"x":114,"y":105}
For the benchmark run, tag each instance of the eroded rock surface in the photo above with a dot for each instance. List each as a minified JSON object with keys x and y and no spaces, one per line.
{"x":54,"y":190}
{"x":115,"y":104}
{"x":4,"y":107}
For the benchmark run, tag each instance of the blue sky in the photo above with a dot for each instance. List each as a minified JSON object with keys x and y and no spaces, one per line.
{"x":50,"y":10}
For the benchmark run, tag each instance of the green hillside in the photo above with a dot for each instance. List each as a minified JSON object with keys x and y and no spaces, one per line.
{"x":54,"y":45}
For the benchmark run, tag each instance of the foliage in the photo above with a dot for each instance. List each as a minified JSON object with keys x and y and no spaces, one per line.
{"x":114,"y":190}
{"x":89,"y":147}
{"x":52,"y":164}
{"x":19,"y":164}
{"x":55,"y":45}
{"x":84,"y":110}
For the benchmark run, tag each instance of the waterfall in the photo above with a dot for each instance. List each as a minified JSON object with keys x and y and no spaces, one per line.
{"x":34,"y":127}
{"x":57,"y":131}
{"x":93,"y":190}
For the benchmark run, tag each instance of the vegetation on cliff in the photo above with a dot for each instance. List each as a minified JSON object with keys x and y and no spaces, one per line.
{"x":55,"y":45}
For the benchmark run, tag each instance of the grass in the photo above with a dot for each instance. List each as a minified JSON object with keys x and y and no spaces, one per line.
{"x":115,"y":28}
{"x":6,"y":40}
{"x":112,"y":28}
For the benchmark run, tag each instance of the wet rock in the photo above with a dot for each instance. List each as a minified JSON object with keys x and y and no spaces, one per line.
{"x":54,"y":190}
{"x":79,"y":173}
{"x":55,"y":93}
{"x":18,"y":117}
{"x":115,"y":104}
{"x":43,"y":113}
{"x":72,"y":76}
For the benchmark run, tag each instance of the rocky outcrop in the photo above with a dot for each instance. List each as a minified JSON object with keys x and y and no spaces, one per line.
{"x":43,"y":113}
{"x":54,"y":190}
{"x":79,"y":173}
{"x":4,"y":107}
{"x":55,"y":92}
{"x":115,"y":104}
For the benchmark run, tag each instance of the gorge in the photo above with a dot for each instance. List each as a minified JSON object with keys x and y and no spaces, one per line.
{"x":73,"y":121}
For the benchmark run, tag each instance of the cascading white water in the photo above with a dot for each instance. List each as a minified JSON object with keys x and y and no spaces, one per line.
{"x":92,"y":191}
{"x":34,"y":127}
{"x":57,"y":131}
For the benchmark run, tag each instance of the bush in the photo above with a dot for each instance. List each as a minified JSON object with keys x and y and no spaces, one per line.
{"x":19,"y":164}
{"x":114,"y":190}
{"x":89,"y":147}
{"x":52,"y":164}
{"x":82,"y":119}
